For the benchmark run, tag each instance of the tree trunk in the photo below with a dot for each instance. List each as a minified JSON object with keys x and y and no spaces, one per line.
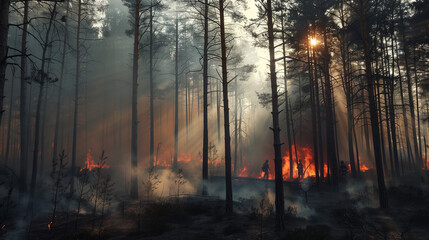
{"x":23,"y":104}
{"x":372,"y":108}
{"x":4,"y":30}
{"x":418,"y":108}
{"x":404,"y":112}
{"x":60,"y":88}
{"x":6,"y":156}
{"x":392,"y":113}
{"x":151,"y":87}
{"x":205,"y":83}
{"x":289,"y":141}
{"x":76,"y":97}
{"x":134,"y":121}
{"x":330,"y":120}
{"x":385,"y":74}
{"x":319,"y":119}
{"x":228,"y":182}
{"x":279,"y":202}
{"x":235,"y":126}
{"x":42,"y":80}
{"x":176,"y":96}
{"x":313,"y":105}
{"x":417,"y":155}
{"x":218,"y":111}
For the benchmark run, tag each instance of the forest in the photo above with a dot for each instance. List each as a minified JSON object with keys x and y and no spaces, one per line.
{"x":214,"y":119}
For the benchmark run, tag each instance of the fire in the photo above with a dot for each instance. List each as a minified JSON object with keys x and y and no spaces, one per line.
{"x":168,"y":161}
{"x":90,"y":163}
{"x":305,"y":154}
{"x":243,"y":172}
{"x":362,"y":166}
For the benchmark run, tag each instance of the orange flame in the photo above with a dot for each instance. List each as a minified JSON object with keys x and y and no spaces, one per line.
{"x":90,"y":163}
{"x":305,"y":154}
{"x":243,"y":172}
{"x":183,"y":158}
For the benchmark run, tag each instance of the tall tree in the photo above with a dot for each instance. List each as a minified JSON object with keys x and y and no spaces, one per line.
{"x":361,"y":7}
{"x":60,"y":87}
{"x":41,"y":77}
{"x":23,"y":104}
{"x":176,"y":93}
{"x":4,"y":29}
{"x":135,"y":9}
{"x":205,"y":93}
{"x":279,"y":202}
{"x":228,"y":180}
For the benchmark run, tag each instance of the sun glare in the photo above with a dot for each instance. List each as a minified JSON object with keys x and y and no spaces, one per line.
{"x":313,"y":41}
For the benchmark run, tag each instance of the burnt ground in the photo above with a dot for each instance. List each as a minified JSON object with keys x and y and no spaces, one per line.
{"x":351,"y":213}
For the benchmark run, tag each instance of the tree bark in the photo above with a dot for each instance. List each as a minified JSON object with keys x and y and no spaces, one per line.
{"x":205,"y":83}
{"x":23,"y":104}
{"x":151,"y":87}
{"x":4,"y":30}
{"x":228,"y":181}
{"x":42,"y":80}
{"x":176,"y":96}
{"x":134,"y":121}
{"x":372,"y":107}
{"x":76,"y":97}
{"x":60,"y":88}
{"x":6,"y":156}
{"x":330,"y":119}
{"x":419,"y":161}
{"x":279,"y":202}
{"x":287,"y":112}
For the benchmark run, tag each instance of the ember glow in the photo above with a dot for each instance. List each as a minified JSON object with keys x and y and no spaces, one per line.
{"x":90,"y":163}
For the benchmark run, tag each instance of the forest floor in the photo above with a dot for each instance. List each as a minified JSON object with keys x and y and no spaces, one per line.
{"x":351,"y":213}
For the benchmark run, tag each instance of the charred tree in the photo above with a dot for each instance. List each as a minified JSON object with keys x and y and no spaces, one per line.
{"x":4,"y":29}
{"x":136,"y":15}
{"x":205,"y":93}
{"x":176,"y":94}
{"x":60,"y":87}
{"x":372,"y":105}
{"x":228,"y":181}
{"x":23,"y":104}
{"x":41,"y":78}
{"x":76,"y":96}
{"x":151,"y":87}
{"x":279,"y":202}
{"x":287,"y":112}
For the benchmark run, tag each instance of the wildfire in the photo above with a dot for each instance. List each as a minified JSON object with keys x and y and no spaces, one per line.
{"x":243,"y":172}
{"x":305,"y":154}
{"x":90,"y":163}
{"x":182,"y":158}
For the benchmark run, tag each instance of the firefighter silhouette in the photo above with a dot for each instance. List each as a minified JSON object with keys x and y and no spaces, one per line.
{"x":266,"y":169}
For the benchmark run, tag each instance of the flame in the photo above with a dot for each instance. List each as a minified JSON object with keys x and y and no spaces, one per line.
{"x":362,"y":166}
{"x":243,"y":172}
{"x":90,"y":163}
{"x":304,"y":153}
{"x":183,"y":158}
{"x":49,"y":226}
